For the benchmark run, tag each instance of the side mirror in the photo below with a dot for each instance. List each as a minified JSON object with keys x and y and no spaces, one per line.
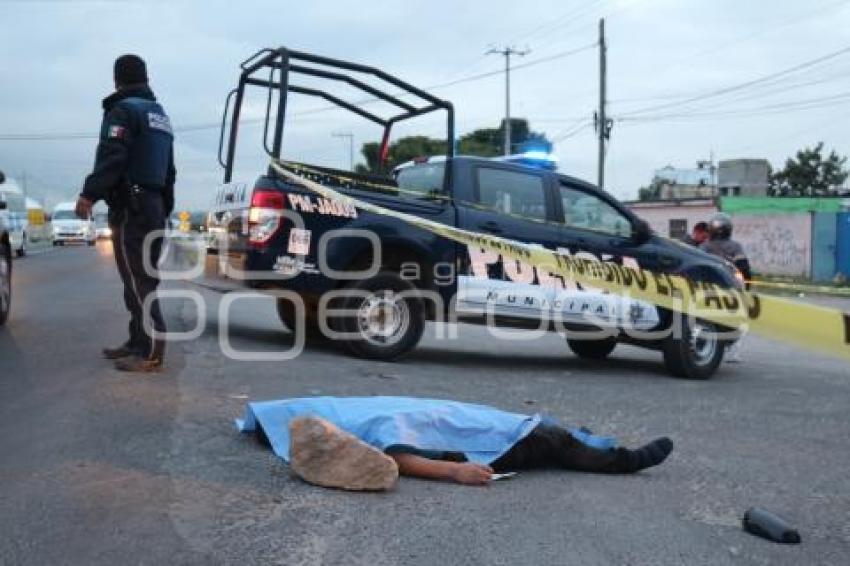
{"x":641,"y":232}
{"x":3,"y":204}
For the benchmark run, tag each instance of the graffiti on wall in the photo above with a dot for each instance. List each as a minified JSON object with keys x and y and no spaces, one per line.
{"x":777,"y":244}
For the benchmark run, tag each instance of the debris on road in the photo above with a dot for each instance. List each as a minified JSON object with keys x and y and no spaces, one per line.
{"x":765,"y":524}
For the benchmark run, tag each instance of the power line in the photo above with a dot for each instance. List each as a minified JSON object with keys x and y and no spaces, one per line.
{"x":568,"y":133}
{"x":623,"y":6}
{"x":520,"y":39}
{"x":795,"y":19}
{"x":744,"y":85}
{"x":362,"y":102}
{"x":819,"y":127}
{"x":842,"y":75}
{"x":787,"y":106}
{"x":569,"y":17}
{"x":532,"y":63}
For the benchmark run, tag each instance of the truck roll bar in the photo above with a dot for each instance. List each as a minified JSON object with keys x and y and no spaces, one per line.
{"x":288,"y":62}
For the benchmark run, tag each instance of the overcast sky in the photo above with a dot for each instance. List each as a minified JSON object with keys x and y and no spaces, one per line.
{"x":57,"y":56}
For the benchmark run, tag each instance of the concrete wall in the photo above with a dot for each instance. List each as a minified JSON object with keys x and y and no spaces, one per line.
{"x":743,"y":177}
{"x":659,"y":214}
{"x":777,"y":244}
{"x":843,"y":244}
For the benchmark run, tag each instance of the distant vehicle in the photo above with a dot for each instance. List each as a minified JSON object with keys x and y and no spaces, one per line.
{"x":15,"y":214}
{"x":101,"y":226}
{"x":38,"y":227}
{"x":5,"y":264}
{"x":68,"y":228}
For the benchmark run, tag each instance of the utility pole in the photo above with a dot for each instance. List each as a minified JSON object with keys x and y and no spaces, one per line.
{"x":507,"y":52}
{"x":601,"y":120}
{"x":350,"y":137}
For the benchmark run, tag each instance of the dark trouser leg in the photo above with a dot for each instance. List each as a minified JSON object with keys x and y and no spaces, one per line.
{"x":144,"y":282}
{"x":549,"y":446}
{"x":136,"y":338}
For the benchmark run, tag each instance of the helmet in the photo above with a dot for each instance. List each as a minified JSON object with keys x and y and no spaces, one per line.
{"x":720,"y":226}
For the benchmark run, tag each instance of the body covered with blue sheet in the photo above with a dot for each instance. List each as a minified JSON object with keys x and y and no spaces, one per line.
{"x":481,"y":433}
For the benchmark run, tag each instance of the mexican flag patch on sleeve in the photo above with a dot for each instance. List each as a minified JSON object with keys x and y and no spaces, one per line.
{"x":117,"y":132}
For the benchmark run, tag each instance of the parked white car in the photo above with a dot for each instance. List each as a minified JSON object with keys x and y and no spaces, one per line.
{"x":15,"y":215}
{"x":68,"y":228}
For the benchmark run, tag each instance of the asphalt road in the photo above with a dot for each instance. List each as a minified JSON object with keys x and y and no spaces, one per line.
{"x":98,"y":467}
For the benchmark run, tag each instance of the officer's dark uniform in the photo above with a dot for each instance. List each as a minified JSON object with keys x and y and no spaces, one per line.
{"x":134,"y":173}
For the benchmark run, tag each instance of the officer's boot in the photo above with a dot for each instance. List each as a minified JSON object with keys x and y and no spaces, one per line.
{"x":150,"y":364}
{"x":125,"y":350}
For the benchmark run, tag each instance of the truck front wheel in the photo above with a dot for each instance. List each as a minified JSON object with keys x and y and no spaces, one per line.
{"x":387,"y":317}
{"x":697,"y":350}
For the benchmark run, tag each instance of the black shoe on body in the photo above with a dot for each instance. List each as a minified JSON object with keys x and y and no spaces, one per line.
{"x":649,"y":455}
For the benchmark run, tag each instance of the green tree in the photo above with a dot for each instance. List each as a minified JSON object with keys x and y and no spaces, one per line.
{"x":490,"y":142}
{"x":400,"y":151}
{"x":484,"y":142}
{"x":652,"y":192}
{"x":809,"y":174}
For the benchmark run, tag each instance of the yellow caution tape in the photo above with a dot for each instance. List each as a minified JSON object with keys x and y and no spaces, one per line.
{"x":818,"y":328}
{"x":800,"y":288}
{"x":306,"y":172}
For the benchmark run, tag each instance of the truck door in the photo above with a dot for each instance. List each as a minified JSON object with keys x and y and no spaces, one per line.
{"x":518,"y":205}
{"x":595,"y":229}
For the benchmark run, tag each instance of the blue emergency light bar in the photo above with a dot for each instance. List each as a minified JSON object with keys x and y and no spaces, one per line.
{"x":533,"y":158}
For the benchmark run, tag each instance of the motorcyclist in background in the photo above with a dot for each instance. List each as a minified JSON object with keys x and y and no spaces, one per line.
{"x":720,"y":243}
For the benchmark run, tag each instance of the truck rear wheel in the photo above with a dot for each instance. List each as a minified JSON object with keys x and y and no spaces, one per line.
{"x":695,"y":354}
{"x":389,"y":319}
{"x":592,"y":349}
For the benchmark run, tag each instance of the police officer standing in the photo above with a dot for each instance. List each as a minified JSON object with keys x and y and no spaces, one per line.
{"x":134,"y":173}
{"x":720,"y":243}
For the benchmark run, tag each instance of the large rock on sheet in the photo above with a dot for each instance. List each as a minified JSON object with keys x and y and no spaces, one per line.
{"x":323,"y":454}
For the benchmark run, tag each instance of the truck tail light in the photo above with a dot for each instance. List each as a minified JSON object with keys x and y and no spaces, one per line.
{"x":264,"y":216}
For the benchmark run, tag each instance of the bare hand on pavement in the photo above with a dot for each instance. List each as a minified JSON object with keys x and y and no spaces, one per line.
{"x":473,"y":474}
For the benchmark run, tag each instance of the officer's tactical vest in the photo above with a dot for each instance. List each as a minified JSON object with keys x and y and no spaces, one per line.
{"x":151,"y":148}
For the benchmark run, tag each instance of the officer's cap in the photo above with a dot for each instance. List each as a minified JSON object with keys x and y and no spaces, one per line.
{"x":130,"y":69}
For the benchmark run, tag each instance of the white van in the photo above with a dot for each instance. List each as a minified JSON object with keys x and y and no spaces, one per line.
{"x":15,"y":215}
{"x":68,"y":228}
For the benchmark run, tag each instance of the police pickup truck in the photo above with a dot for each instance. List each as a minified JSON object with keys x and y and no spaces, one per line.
{"x":373,"y":280}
